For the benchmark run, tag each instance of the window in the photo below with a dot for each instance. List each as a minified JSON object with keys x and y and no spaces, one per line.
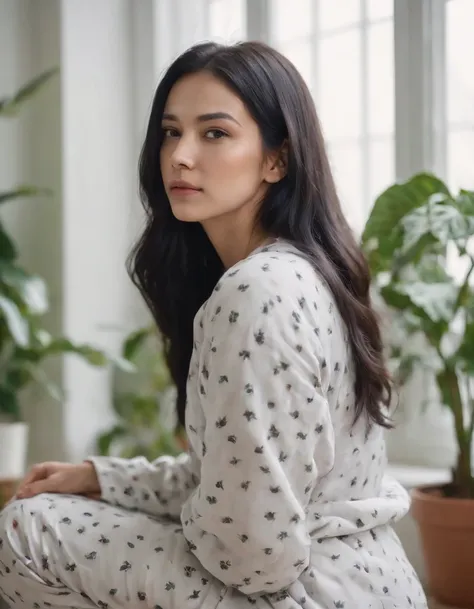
{"x":394,"y":90}
{"x":460,"y":93}
{"x":227,"y":20}
{"x":347,"y":59}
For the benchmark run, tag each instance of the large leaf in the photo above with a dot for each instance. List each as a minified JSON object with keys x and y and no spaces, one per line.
{"x":8,"y":249}
{"x":44,"y":345}
{"x":18,"y":374}
{"x":465,"y":353}
{"x":431,"y":269}
{"x":393,"y":204}
{"x":31,"y":288}
{"x":137,"y":410}
{"x":434,"y":301}
{"x":465,"y":202}
{"x":15,"y":321}
{"x":46,"y":383}
{"x":9,"y":106}
{"x":106,"y":439}
{"x":436,"y":221}
{"x":428,"y":306}
{"x":134,"y":342}
{"x":93,"y":356}
{"x":24,"y":191}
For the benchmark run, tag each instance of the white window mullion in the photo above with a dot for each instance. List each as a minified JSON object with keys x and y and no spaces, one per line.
{"x":419,"y":87}
{"x":177,"y":25}
{"x":364,"y":91}
{"x":436,"y":87}
{"x":315,"y":38}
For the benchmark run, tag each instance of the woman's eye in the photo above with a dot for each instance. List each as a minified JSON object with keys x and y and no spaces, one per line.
{"x":170,"y":132}
{"x":215,"y":134}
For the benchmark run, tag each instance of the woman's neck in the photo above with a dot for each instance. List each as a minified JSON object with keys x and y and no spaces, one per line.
{"x":233,"y":245}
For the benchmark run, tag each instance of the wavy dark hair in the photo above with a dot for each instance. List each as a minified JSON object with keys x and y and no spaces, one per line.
{"x":174,"y":264}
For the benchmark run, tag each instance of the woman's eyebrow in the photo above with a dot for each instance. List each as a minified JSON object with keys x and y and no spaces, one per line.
{"x":210,"y":116}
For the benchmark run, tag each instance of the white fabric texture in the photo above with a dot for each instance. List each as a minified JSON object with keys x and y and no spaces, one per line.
{"x":281,"y":502}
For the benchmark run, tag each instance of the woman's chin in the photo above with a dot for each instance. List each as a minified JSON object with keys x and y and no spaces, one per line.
{"x":184,"y":216}
{"x":188,"y":213}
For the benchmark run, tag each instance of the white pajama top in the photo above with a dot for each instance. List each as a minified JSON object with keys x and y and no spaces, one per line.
{"x":282,"y":501}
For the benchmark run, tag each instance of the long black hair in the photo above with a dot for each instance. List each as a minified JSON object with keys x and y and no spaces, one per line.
{"x":174,"y":264}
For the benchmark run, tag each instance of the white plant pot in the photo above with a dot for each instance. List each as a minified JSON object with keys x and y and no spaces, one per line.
{"x":13,"y":450}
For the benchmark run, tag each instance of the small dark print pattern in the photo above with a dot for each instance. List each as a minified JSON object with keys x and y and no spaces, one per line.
{"x":280,"y":502}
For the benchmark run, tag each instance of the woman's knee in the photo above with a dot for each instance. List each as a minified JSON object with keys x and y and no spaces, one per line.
{"x":10,"y":518}
{"x":18,"y":521}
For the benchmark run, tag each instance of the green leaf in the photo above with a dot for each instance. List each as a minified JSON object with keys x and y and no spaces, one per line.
{"x":122,"y":364}
{"x":9,"y":405}
{"x":18,"y":374}
{"x":465,"y":352}
{"x":434,"y":301}
{"x":105,"y":440}
{"x":16,"y":323}
{"x":93,"y":356}
{"x":8,"y":249}
{"x":23,"y":371}
{"x":161,"y":378}
{"x":123,"y":405}
{"x":405,"y":366}
{"x":393,"y":204}
{"x":135,"y":342}
{"x":10,"y":106}
{"x":432,"y":269}
{"x":465,"y":202}
{"x":31,"y":288}
{"x":24,"y":191}
{"x":435,"y":221}
{"x":46,"y":383}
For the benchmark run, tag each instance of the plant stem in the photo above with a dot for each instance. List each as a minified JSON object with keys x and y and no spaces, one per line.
{"x":462,"y":474}
{"x":463,"y":288}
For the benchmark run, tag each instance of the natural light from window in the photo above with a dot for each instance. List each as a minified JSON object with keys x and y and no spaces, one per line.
{"x":227,"y":20}
{"x":345,"y":54}
{"x":460,"y":93}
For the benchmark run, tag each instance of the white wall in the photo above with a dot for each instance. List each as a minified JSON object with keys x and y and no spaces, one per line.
{"x":30,"y":152}
{"x":80,"y":136}
{"x":99,"y":168}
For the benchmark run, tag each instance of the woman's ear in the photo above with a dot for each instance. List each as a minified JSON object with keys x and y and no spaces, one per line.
{"x":277,"y":165}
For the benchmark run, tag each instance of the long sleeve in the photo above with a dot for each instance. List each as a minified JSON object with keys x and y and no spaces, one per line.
{"x":158,"y":488}
{"x":268,"y":435}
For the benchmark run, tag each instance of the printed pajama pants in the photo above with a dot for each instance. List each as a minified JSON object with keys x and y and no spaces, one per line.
{"x":68,"y":551}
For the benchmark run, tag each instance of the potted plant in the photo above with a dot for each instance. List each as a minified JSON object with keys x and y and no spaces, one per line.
{"x":24,"y":342}
{"x":143,"y":402}
{"x":418,"y":241}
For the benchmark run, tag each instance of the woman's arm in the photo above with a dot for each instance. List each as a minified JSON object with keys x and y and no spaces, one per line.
{"x":158,"y":488}
{"x":268,"y":438}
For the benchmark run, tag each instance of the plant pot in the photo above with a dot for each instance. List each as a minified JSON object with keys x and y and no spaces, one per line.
{"x":447,"y":536}
{"x":13,"y":450}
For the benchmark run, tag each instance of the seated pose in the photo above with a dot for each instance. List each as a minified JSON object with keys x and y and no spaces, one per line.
{"x":262,"y":295}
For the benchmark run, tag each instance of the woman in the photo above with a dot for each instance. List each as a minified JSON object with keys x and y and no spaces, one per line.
{"x":262,"y":294}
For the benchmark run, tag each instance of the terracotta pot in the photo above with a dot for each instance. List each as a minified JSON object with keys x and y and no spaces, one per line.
{"x":447,"y":535}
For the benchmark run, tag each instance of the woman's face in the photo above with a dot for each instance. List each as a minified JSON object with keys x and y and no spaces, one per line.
{"x":212,"y":158}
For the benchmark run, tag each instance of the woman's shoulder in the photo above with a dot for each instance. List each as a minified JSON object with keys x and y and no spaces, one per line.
{"x":277,"y":273}
{"x":270,"y":267}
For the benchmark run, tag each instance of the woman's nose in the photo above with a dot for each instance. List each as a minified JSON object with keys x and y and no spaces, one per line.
{"x":184,"y":153}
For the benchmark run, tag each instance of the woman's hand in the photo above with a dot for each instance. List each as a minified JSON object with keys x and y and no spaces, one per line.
{"x":65,"y":478}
